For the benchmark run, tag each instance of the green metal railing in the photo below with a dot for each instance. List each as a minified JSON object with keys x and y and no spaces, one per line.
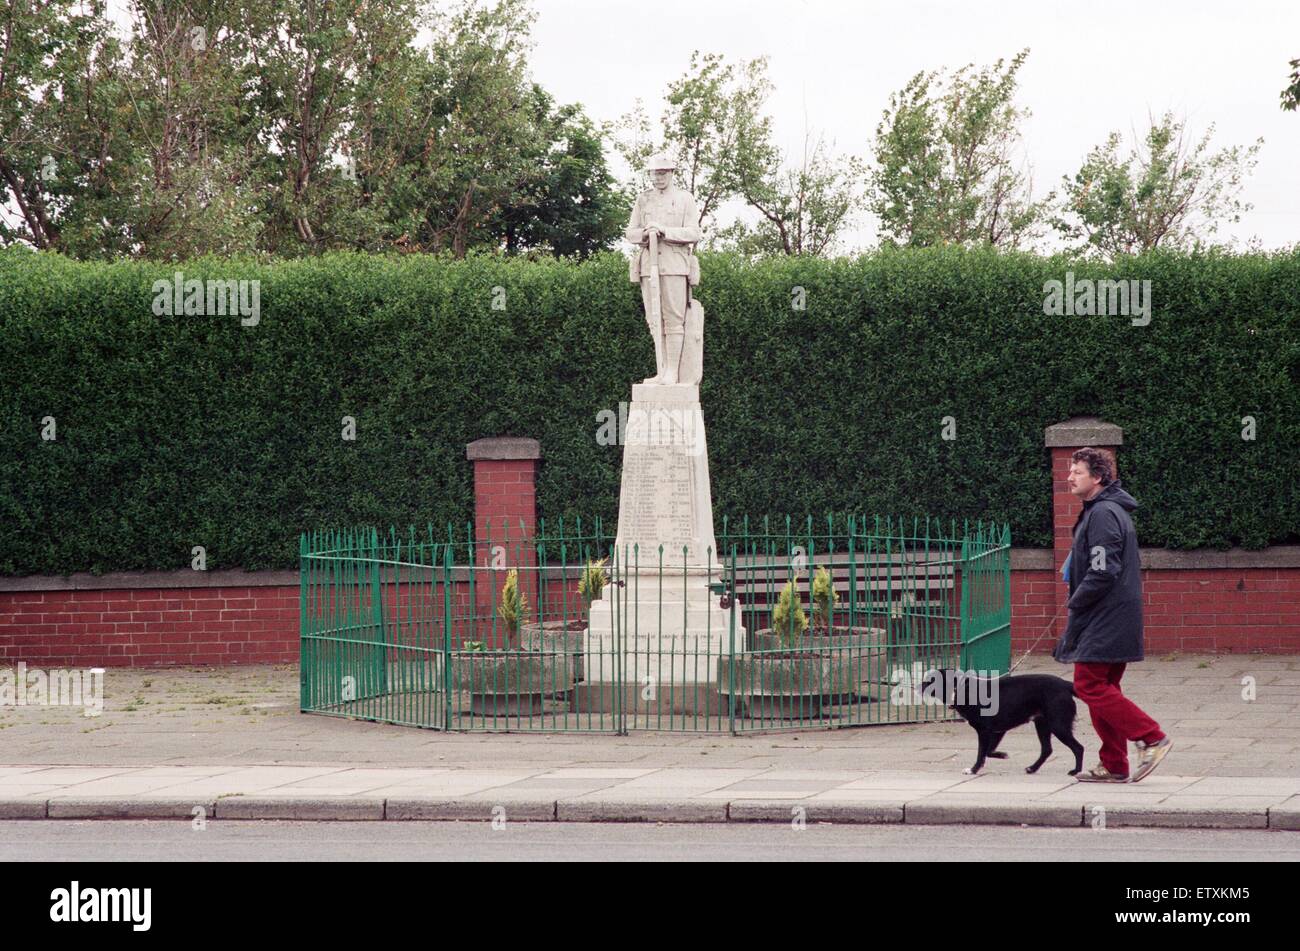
{"x":415,"y":628}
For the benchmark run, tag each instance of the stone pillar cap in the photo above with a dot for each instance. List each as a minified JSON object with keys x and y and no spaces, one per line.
{"x":1081,"y":431}
{"x":504,"y":447}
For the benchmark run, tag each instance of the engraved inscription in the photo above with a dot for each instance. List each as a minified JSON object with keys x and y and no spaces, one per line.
{"x":657,"y":502}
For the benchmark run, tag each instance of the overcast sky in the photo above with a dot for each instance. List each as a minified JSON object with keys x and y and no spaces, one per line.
{"x":1093,"y":67}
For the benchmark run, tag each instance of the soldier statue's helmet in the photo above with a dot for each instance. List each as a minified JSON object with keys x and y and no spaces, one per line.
{"x":660,"y":160}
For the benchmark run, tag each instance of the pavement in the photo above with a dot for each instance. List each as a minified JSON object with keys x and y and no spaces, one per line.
{"x":230,"y":742}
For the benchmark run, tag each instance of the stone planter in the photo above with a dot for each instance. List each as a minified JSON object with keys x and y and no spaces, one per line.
{"x":866,"y":639}
{"x":784,"y":683}
{"x":512,"y":682}
{"x":558,"y":637}
{"x":860,"y":654}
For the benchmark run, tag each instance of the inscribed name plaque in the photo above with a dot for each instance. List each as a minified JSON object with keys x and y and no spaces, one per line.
{"x":665,"y":497}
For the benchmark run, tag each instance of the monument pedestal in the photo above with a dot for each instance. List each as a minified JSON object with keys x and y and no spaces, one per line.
{"x":670,"y":628}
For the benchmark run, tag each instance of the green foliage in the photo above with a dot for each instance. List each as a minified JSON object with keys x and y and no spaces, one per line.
{"x":715,"y":124}
{"x":1291,"y":94}
{"x":513,"y":609}
{"x":824,"y":599}
{"x":789,"y":620}
{"x":568,"y":203}
{"x":289,"y":128}
{"x":181,"y":431}
{"x":804,"y":209}
{"x":1167,"y":193}
{"x":946,"y":169}
{"x":593,"y":580}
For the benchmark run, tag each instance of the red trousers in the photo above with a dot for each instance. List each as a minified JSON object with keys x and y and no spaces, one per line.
{"x":1115,"y":717}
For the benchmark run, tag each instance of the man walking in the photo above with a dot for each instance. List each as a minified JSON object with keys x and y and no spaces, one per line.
{"x":1104,"y":633}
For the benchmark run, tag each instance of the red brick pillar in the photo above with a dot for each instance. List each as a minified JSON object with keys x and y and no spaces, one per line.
{"x":505,"y":522}
{"x":1063,"y":439}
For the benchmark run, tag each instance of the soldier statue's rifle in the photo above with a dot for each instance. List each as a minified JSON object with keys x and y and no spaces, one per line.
{"x":656,"y":304}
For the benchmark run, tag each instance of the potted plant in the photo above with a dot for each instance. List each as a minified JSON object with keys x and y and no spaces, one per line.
{"x":859,"y":649}
{"x":787,"y":676}
{"x":567,"y":634}
{"x":852,"y":641}
{"x":517,"y":680}
{"x":824,"y":599}
{"x":593,"y":581}
{"x":513,"y":607}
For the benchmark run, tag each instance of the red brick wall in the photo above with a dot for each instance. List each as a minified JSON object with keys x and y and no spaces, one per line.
{"x":1033,"y":602}
{"x":150,"y":627}
{"x":1197,"y":610}
{"x":1218,"y":610}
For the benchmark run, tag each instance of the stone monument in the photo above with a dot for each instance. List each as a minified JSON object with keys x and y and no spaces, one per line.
{"x":670,"y":626}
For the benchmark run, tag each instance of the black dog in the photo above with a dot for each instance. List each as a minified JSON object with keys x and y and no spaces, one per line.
{"x":994,"y":706}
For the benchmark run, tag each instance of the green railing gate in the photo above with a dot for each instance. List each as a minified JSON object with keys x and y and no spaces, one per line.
{"x":419,"y":630}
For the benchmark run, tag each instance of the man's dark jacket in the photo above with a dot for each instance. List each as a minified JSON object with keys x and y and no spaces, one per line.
{"x":1105,"y":625}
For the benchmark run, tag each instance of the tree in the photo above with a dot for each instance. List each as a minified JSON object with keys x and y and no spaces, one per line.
{"x":804,"y":209}
{"x":481,"y":122}
{"x":1291,"y":94}
{"x":459,"y":149}
{"x":1168,"y":192}
{"x":713,"y":124}
{"x":59,"y":100}
{"x":313,"y":61}
{"x":189,"y":142}
{"x":570,"y":205}
{"x":290,"y":127}
{"x":945,"y":169}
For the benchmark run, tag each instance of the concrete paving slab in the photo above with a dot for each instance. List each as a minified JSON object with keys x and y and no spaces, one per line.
{"x":640,"y":810}
{"x":1285,"y":816}
{"x":121,"y":808}
{"x":69,"y":775}
{"x":817,"y":810}
{"x":596,"y":773}
{"x":185,"y":745}
{"x":840,"y":793}
{"x":1225,"y":786}
{"x":948,"y":809}
{"x":464,"y":810}
{"x":1186,"y":817}
{"x":334,"y":809}
{"x":22,"y":808}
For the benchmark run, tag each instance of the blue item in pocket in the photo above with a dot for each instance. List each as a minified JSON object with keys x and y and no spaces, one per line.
{"x":1065,"y":569}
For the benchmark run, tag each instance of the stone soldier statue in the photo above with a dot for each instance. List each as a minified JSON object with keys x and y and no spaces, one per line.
{"x":665,"y":224}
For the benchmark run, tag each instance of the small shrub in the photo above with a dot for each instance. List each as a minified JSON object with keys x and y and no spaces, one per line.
{"x":593,"y":580}
{"x":788,"y":617}
{"x":824,"y":599}
{"x":514,"y":606}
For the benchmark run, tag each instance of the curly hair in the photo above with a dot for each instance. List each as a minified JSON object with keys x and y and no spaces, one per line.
{"x":1100,"y":464}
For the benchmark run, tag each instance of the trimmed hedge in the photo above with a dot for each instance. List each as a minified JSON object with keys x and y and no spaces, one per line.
{"x":181,"y":431}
